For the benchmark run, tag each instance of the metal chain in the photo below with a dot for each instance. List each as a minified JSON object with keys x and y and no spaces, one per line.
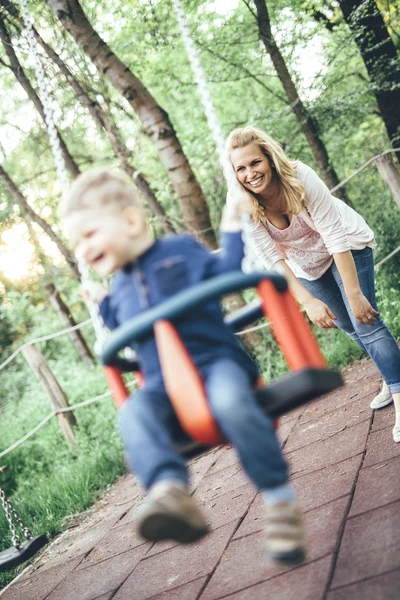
{"x":251,"y":261}
{"x":46,"y":98}
{"x":45,"y":94}
{"x":12,"y":517}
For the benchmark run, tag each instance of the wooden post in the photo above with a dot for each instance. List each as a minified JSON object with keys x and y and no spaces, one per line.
{"x":58,"y":399}
{"x":75,"y":336}
{"x":390,"y":175}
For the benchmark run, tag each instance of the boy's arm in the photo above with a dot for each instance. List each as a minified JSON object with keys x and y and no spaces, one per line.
{"x":231,"y":253}
{"x":107,"y":313}
{"x":95,"y":292}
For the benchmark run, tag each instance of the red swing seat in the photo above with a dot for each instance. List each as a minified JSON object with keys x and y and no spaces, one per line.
{"x":309,"y":377}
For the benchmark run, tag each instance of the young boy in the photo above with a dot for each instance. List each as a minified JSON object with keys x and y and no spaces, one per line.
{"x":104,"y":219}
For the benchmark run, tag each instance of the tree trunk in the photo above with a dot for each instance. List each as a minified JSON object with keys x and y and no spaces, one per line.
{"x":19,"y":73}
{"x":40,"y":255}
{"x":307,"y":123}
{"x":26,"y":209}
{"x":381,"y":60}
{"x":390,"y":175}
{"x":56,"y":395}
{"x":75,"y":336}
{"x":103,"y":122}
{"x":154,"y":119}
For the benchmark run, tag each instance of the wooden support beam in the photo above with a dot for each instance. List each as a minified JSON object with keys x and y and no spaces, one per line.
{"x":57,"y":397}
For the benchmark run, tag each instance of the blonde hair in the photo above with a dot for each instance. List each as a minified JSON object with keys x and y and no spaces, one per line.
{"x":292,"y":195}
{"x":99,"y":188}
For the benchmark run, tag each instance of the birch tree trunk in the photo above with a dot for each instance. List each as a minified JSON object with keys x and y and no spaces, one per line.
{"x":23,"y":80}
{"x":154,"y":119}
{"x":103,"y":122}
{"x":308,"y":125}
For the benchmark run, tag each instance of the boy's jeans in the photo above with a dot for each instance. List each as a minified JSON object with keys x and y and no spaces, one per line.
{"x":375,"y":339}
{"x":147,"y":418}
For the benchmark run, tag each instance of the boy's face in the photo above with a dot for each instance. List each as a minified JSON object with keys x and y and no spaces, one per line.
{"x":104,"y":239}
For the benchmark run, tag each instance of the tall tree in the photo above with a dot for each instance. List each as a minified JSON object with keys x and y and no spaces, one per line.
{"x":381,"y":60}
{"x":308,"y":124}
{"x":154,"y":119}
{"x":103,"y":121}
{"x":23,"y":80}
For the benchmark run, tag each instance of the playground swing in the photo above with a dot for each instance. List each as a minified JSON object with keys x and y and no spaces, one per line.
{"x":25,"y":545}
{"x":309,"y":378}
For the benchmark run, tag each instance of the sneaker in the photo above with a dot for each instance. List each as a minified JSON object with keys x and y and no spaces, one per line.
{"x":382,"y":399}
{"x":285,"y":533}
{"x":170,"y":513}
{"x":396,"y":434}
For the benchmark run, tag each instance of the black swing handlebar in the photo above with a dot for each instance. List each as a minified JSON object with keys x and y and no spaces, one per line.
{"x":140,"y":327}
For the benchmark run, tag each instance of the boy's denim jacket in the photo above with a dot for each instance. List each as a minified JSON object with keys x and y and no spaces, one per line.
{"x":169,"y":266}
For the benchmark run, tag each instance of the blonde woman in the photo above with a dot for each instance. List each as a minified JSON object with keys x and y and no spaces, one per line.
{"x":323,"y":246}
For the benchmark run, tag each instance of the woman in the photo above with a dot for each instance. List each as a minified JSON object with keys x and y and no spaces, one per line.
{"x":323,"y":246}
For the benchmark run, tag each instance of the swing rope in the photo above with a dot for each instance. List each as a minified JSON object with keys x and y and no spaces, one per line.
{"x":45,"y":94}
{"x":250,"y":262}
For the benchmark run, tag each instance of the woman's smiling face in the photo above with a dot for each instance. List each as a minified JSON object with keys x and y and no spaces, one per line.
{"x":253,"y":169}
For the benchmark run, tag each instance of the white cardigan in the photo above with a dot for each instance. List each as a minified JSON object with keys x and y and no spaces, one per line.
{"x":325,"y":227}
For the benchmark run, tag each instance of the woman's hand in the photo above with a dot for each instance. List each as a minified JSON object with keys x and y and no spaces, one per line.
{"x":319,"y":313}
{"x":362,"y":309}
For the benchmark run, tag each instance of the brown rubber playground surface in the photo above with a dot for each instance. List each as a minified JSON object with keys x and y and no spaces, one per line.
{"x":346,"y":470}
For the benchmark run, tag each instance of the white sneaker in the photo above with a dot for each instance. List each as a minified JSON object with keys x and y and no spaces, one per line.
{"x":396,"y":434}
{"x":284,"y":531}
{"x":382,"y":399}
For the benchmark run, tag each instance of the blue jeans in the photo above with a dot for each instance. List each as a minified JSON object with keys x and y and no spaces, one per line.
{"x":147,"y":421}
{"x":375,"y":339}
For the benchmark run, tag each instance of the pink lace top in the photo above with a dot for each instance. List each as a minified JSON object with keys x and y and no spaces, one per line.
{"x":302,"y":247}
{"x":325,"y":227}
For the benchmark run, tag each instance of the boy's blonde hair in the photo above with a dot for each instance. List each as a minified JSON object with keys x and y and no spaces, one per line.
{"x":292,"y":190}
{"x":99,"y":188}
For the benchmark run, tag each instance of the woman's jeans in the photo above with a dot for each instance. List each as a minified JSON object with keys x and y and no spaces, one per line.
{"x":376,"y":338}
{"x":147,"y":421}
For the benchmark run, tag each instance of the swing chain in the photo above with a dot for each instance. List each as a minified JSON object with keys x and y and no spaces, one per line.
{"x":12,"y":518}
{"x":46,"y":98}
{"x":251,"y":262}
{"x":45,"y":94}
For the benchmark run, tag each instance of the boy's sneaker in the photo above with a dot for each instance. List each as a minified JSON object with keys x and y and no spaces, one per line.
{"x":170,"y":513}
{"x":285,"y":540}
{"x":382,"y":399}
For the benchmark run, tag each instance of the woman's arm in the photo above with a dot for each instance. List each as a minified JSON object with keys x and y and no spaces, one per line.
{"x":318,"y":312}
{"x":360,"y":306}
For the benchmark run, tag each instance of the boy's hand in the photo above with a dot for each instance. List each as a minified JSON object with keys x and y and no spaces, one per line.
{"x":93,"y":291}
{"x":238,"y":202}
